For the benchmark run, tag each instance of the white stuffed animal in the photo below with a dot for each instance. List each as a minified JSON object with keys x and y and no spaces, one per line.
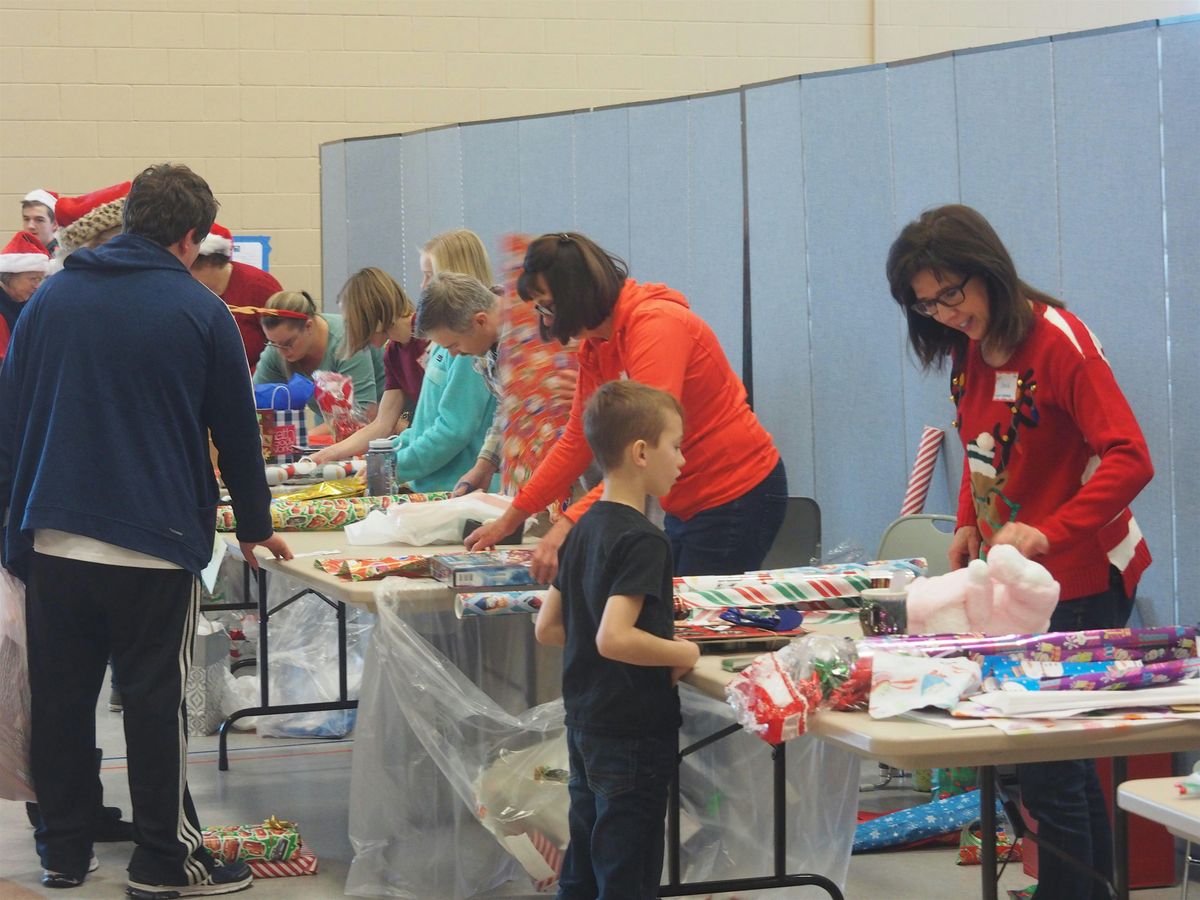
{"x":1008,"y":594}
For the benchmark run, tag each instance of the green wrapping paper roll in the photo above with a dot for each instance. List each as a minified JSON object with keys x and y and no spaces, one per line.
{"x":324,"y":513}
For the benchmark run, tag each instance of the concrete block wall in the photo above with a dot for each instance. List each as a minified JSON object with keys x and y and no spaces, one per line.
{"x":244,"y":91}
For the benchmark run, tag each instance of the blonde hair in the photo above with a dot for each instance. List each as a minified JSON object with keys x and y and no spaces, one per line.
{"x":371,"y":300}
{"x":292,"y":301}
{"x":460,"y":251}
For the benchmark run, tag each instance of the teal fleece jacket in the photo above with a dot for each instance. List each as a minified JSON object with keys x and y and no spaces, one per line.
{"x":453,"y":414}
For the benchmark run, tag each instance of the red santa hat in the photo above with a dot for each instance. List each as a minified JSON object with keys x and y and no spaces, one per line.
{"x":82,"y":218}
{"x":24,"y":253}
{"x":218,"y":241}
{"x":42,"y":196}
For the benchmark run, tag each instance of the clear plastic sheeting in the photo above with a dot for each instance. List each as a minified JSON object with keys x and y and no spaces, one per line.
{"x":16,"y":779}
{"x":303,"y":661}
{"x":450,"y":760}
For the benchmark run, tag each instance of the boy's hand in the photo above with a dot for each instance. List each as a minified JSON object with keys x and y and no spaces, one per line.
{"x":677,"y":672}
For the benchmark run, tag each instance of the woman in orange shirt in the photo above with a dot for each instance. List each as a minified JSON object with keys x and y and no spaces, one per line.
{"x":726,"y":508}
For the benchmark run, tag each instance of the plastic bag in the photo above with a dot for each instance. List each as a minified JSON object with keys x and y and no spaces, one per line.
{"x":303,"y":661}
{"x":335,"y":399}
{"x":16,"y":778}
{"x":422,"y":524}
{"x":446,"y":743}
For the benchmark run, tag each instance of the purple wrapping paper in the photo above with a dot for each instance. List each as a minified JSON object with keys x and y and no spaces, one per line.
{"x":1172,"y":642}
{"x":1147,"y":676}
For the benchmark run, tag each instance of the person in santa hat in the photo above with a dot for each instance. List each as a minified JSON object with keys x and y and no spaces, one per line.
{"x":37,"y":216}
{"x":90,"y":220}
{"x":23,"y":264}
{"x":237,"y":284}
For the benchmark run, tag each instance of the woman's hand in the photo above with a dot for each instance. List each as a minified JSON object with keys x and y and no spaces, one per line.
{"x":562,"y":385}
{"x":477,"y":478}
{"x":326,"y":455}
{"x":545,"y":555}
{"x":964,"y":547}
{"x":1028,"y":540}
{"x":487,"y":535}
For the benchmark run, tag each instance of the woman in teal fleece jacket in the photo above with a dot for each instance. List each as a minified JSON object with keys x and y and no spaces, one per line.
{"x":452,"y":417}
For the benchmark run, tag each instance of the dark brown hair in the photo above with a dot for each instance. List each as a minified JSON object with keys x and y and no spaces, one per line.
{"x":954,"y":242}
{"x":621,"y":412}
{"x":166,"y":201}
{"x":583,"y":278}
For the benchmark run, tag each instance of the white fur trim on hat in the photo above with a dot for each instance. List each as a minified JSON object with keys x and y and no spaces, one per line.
{"x":214,"y":243}
{"x":41,"y":196}
{"x":11,"y":263}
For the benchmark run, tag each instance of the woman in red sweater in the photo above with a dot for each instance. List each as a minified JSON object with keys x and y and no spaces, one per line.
{"x":725,"y":509}
{"x":1054,"y":456}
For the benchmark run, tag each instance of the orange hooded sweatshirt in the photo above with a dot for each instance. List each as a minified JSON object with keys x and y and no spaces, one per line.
{"x":657,"y":340}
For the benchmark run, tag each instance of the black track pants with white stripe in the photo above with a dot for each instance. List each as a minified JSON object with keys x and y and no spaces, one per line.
{"x":77,"y":613}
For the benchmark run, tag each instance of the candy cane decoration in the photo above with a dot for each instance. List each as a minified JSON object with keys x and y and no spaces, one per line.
{"x":305,"y":466}
{"x":922,"y":471}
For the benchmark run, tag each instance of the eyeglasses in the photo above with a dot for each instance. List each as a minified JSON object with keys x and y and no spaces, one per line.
{"x":950,"y":297}
{"x":287,"y":345}
{"x":544,"y":312}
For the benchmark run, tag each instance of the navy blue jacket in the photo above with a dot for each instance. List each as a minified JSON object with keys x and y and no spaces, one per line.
{"x":118,"y":368}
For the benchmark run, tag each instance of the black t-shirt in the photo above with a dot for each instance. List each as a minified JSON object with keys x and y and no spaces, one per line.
{"x":614,"y":549}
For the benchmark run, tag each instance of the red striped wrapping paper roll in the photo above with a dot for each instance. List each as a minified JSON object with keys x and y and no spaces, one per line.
{"x":922,"y":471}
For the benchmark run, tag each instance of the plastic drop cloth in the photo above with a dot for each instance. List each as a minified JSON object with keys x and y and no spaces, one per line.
{"x":16,"y":778}
{"x":303,"y":661}
{"x":443,"y":712}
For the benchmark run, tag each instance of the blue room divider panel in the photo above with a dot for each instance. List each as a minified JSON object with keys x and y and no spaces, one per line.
{"x":860,"y":472}
{"x":658,"y":194}
{"x":1180,"y":44}
{"x":601,"y":167}
{"x":445,"y":160}
{"x":779,"y":277}
{"x":547,"y":179}
{"x":1006,"y":150}
{"x":924,"y":140}
{"x":1109,"y":175}
{"x":715,"y":207}
{"x":375,"y":208}
{"x":333,"y":219}
{"x":418,"y":213}
{"x":491,"y":188}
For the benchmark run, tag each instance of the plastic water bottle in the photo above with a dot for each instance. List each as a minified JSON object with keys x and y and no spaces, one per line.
{"x":381,"y":467}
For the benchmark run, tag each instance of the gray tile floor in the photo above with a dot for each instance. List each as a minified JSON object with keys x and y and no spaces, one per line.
{"x":309,"y":782}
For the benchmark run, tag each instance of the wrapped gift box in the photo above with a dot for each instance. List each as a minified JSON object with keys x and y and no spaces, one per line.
{"x":487,"y":569}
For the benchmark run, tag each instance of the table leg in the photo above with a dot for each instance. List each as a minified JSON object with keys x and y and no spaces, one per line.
{"x":987,"y":829}
{"x":779,"y":757}
{"x":1120,"y":832}
{"x":343,"y":652}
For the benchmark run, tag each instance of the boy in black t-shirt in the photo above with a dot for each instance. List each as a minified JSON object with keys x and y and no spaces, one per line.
{"x":612,"y":608}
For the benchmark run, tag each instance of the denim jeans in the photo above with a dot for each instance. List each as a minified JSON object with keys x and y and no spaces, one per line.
{"x":734,"y":537}
{"x":1065,"y":797}
{"x":618,"y":789}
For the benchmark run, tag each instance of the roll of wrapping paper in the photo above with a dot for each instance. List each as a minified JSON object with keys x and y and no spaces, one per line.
{"x":497,"y":603}
{"x":414,"y":566}
{"x":302,"y":468}
{"x":1147,"y":644}
{"x":922,"y":471}
{"x":324,"y":514}
{"x":1110,"y":676}
{"x":914,"y":566}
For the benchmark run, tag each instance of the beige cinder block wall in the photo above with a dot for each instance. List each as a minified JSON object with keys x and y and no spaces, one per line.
{"x":244,"y":91}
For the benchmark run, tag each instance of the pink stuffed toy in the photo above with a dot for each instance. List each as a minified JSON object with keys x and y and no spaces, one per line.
{"x":1008,"y":594}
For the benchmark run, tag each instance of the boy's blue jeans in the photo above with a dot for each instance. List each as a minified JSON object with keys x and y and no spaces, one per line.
{"x":1065,"y":797}
{"x":618,"y":789}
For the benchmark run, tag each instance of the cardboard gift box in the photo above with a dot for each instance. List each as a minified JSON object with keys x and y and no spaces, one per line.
{"x":483,"y":570}
{"x":205,"y":687}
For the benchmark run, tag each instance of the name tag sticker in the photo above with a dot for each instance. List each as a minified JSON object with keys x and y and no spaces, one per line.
{"x":1006,"y":387}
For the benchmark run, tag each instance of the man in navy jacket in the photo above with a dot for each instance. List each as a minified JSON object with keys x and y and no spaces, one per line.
{"x":118,"y":370}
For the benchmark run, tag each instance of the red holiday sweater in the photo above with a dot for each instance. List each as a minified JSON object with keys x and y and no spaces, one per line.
{"x":657,"y":340}
{"x":1051,"y":442}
